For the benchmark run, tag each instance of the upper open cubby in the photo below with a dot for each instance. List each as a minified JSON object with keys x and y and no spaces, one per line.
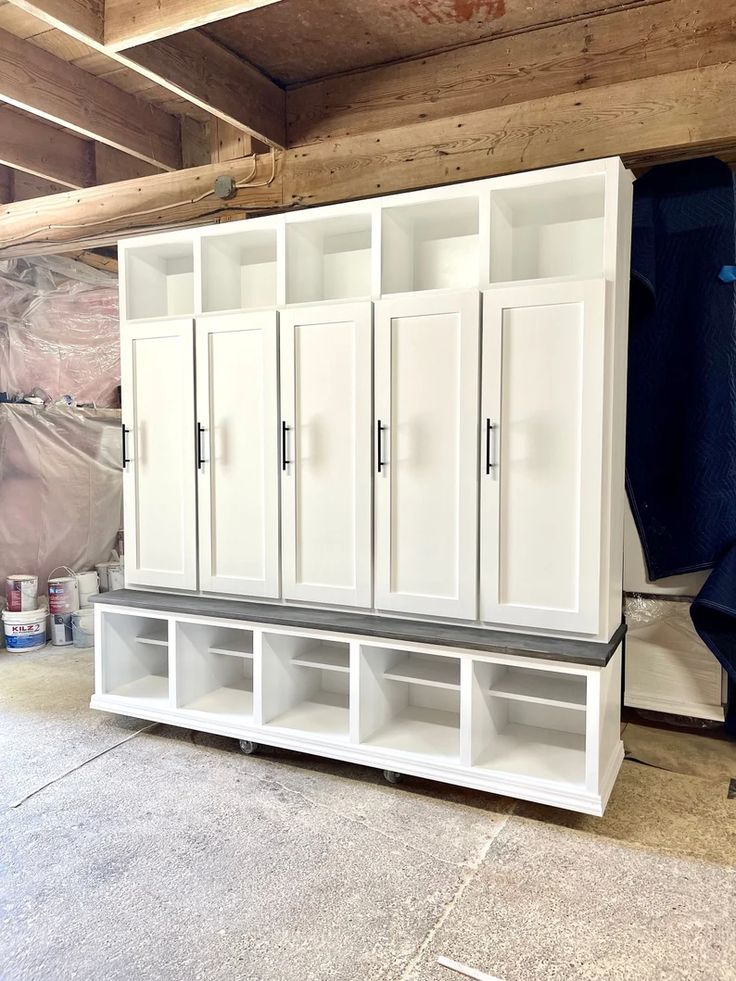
{"x":239,"y":270}
{"x":428,"y":246}
{"x":548,"y":230}
{"x":159,"y":280}
{"x":328,"y":259}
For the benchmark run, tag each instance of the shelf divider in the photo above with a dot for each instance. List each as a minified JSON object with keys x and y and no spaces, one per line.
{"x":326,"y":658}
{"x":441,"y":672}
{"x":527,"y":685}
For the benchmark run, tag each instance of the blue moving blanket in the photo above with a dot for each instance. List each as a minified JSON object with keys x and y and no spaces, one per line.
{"x":681,"y":424}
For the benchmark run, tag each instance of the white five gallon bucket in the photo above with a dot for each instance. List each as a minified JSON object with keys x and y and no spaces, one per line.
{"x":25,"y":631}
{"x":83,"y":628}
{"x":89,"y":585}
{"x":63,"y":592}
{"x":103,"y":570}
{"x":116,"y":576}
{"x":21,"y":593}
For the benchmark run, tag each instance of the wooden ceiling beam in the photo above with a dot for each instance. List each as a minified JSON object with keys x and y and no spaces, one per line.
{"x":99,"y":216}
{"x":673,"y":116}
{"x":132,"y":22}
{"x":35,"y":147}
{"x":667,"y":117}
{"x":84,"y":17}
{"x":614,"y":46}
{"x":203,"y":72}
{"x":39,"y":83}
{"x":191,"y":66}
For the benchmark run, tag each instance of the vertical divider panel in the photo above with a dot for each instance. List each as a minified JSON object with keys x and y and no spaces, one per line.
{"x":355,"y":691}
{"x":379,"y":701}
{"x":173,"y":665}
{"x":467,"y":680}
{"x":197,"y":266}
{"x":592,"y":729}
{"x":258,"y":715}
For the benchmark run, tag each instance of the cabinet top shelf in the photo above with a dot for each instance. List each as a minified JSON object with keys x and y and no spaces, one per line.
{"x":369,"y":625}
{"x":537,"y":225}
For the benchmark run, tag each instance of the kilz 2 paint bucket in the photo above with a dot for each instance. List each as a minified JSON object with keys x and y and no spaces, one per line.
{"x":21,"y":593}
{"x":63,"y":592}
{"x":24,"y":632}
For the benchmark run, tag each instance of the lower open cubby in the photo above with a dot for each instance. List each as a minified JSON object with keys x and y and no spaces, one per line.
{"x":136,"y":659}
{"x":410,"y":702}
{"x":306,"y":685}
{"x":214,"y":670}
{"x":505,"y":723}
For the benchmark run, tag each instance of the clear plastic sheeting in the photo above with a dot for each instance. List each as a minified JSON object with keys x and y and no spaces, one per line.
{"x":668,"y":667}
{"x":59,"y":331}
{"x":60,"y":488}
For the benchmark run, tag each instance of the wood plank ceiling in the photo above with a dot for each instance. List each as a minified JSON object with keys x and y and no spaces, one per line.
{"x":354,"y":99}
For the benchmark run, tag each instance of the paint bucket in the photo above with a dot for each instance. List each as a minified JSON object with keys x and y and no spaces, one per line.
{"x":25,"y":631}
{"x":61,"y":629}
{"x":63,"y":592}
{"x":116,"y":576}
{"x":89,"y":585}
{"x":83,"y":628}
{"x":21,"y":593}
{"x":103,"y":571}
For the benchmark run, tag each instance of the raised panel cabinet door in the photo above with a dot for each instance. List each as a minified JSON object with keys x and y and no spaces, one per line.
{"x":326,"y":438}
{"x":159,"y":481}
{"x":542,"y":455}
{"x":427,"y":368}
{"x":238,"y":476}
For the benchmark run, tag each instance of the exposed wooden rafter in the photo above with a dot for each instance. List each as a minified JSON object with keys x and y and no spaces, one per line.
{"x":37,"y":148}
{"x":39,"y":83}
{"x":204,"y":73}
{"x":190,"y":65}
{"x":618,"y":46}
{"x":675,"y":115}
{"x":100,"y":215}
{"x":131,"y":22}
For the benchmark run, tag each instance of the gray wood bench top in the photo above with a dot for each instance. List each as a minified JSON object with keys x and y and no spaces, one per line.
{"x":372,"y":625}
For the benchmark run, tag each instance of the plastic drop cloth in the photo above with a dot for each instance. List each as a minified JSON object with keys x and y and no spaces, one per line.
{"x":60,"y":488}
{"x":59,"y":330}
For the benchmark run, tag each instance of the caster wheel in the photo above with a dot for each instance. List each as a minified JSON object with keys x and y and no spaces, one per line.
{"x":248,"y":748}
{"x":390,"y":776}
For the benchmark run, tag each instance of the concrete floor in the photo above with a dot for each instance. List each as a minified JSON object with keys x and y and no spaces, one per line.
{"x":175,"y":858}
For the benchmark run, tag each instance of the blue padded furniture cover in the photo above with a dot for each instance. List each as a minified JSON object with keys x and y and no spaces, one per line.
{"x":681,"y":417}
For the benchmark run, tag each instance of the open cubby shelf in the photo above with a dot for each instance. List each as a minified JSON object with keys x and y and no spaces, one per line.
{"x":548,"y":231}
{"x":329,"y":259}
{"x":475,"y":719}
{"x":548,"y":226}
{"x":430,"y":670}
{"x":160,"y":280}
{"x":542,"y":687}
{"x":239,"y":271}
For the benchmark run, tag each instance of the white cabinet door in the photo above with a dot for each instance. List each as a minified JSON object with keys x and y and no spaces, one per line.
{"x":237,"y":409}
{"x":427,"y":353}
{"x":542,"y":455}
{"x":326,"y":372}
{"x":157,"y":365}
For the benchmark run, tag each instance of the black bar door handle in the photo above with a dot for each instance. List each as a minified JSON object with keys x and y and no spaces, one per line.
{"x":379,"y":439}
{"x":124,"y":432}
{"x":490,"y":446}
{"x":200,"y":458}
{"x":284,"y":461}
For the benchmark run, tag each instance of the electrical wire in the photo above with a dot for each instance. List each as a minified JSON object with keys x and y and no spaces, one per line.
{"x":245,"y":182}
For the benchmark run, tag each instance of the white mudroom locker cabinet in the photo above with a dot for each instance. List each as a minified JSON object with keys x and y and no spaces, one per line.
{"x":410,"y":407}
